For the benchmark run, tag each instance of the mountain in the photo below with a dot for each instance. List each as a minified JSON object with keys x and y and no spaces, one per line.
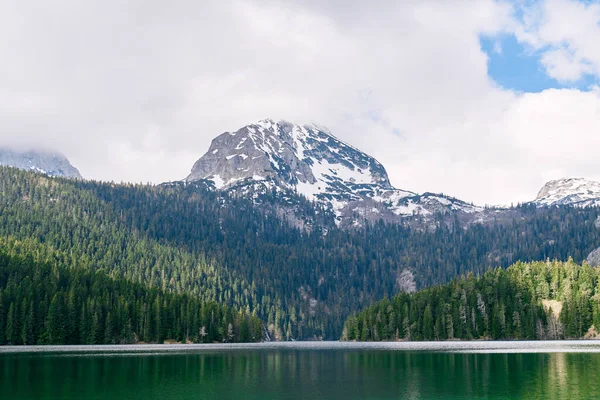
{"x":49,"y":163}
{"x":569,"y":191}
{"x":308,"y":160}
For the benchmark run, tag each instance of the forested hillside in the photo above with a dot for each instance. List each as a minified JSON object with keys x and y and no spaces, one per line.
{"x":49,"y":303}
{"x":186,"y":239}
{"x":540,"y":300}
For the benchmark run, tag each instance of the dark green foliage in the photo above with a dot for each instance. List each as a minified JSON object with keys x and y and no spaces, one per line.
{"x":515,"y":303}
{"x":182,"y":238}
{"x":110,"y":311}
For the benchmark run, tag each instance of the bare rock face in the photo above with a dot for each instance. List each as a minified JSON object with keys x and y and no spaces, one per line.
{"x":569,"y":191}
{"x":51,"y":164}
{"x":308,"y":160}
{"x":594,"y":258}
{"x":405,"y":281}
{"x":302,"y":157}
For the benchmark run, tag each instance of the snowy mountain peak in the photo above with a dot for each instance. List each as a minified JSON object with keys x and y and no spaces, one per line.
{"x":309,"y":160}
{"x":569,"y":191}
{"x":49,"y":163}
{"x":301,"y":157}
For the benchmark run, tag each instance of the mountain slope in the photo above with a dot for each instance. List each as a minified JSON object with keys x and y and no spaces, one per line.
{"x":540,"y":300}
{"x":187,"y":239}
{"x":308,"y":160}
{"x":82,"y":226}
{"x":49,"y":163}
{"x":569,"y":191}
{"x":43,"y":301}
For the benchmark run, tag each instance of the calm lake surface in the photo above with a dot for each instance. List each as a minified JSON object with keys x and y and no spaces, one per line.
{"x":448,"y":370}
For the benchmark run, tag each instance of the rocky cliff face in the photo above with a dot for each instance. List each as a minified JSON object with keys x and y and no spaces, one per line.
{"x":308,"y":160}
{"x":569,"y":191}
{"x":52,"y":164}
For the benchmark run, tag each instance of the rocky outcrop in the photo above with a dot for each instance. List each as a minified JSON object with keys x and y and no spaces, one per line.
{"x":594,"y":258}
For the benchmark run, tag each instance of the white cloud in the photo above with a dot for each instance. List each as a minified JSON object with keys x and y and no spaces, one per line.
{"x":564,"y":66}
{"x":567,"y":33}
{"x":137,"y":93}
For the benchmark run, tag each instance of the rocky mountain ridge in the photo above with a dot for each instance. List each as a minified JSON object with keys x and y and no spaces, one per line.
{"x":308,"y":160}
{"x":295,"y":161}
{"x":569,"y":191}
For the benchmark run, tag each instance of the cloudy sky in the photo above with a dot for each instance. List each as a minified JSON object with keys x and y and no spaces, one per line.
{"x":483,"y":100}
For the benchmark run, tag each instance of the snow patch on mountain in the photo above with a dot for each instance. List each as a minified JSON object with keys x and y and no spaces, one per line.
{"x":308,"y":160}
{"x":569,"y":191}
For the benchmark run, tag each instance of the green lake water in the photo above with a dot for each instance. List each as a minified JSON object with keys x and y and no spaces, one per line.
{"x":303,"y":371}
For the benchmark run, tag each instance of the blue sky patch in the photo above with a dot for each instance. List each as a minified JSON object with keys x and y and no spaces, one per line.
{"x":513,"y":66}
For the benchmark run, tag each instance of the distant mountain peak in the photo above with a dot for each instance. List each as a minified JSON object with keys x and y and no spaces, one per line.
{"x":303,"y":157}
{"x":569,"y":191}
{"x":42,"y":161}
{"x":308,"y":160}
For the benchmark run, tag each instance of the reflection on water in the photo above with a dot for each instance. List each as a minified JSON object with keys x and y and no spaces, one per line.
{"x":301,"y":374}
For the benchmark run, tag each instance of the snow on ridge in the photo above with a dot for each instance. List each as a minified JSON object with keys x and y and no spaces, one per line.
{"x":309,"y":160}
{"x":569,"y":191}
